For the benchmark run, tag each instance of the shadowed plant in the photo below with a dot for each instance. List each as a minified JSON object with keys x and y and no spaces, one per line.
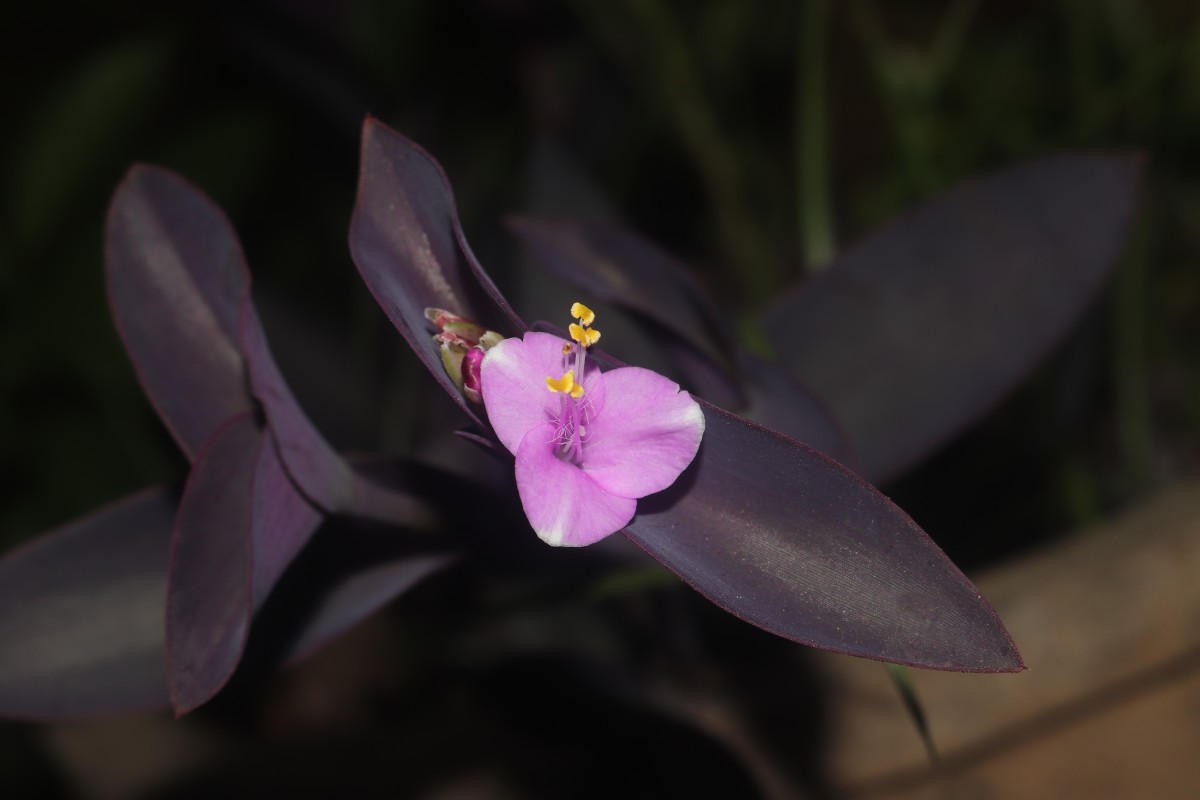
{"x":899,"y":344}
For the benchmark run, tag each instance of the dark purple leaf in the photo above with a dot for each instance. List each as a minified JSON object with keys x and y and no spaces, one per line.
{"x":323,"y":475}
{"x":176,"y":274}
{"x":281,"y":522}
{"x":353,"y":594}
{"x":917,"y":331}
{"x":240,"y":522}
{"x":180,"y":286}
{"x":619,"y":266}
{"x":767,"y":528}
{"x":610,"y":263}
{"x":81,"y":614}
{"x":791,"y":541}
{"x":349,"y":571}
{"x":409,"y":248}
{"x":776,"y":402}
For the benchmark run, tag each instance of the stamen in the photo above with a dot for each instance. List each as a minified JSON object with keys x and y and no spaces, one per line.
{"x":573,"y":410}
{"x":585,"y":336}
{"x":582,"y":313}
{"x":566,"y":384}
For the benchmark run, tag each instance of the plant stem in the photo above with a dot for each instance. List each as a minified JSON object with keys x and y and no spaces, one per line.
{"x":815,"y":225}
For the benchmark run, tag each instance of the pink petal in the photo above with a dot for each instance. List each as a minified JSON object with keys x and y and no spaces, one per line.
{"x":564,"y":505}
{"x":648,"y":434}
{"x":514,"y":389}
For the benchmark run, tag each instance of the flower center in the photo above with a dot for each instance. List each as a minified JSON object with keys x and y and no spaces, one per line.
{"x":574,"y":411}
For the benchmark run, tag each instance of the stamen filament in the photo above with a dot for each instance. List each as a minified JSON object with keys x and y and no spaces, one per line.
{"x":569,"y":432}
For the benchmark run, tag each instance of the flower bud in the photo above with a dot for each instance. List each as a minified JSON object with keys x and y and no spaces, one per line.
{"x":462,"y":344}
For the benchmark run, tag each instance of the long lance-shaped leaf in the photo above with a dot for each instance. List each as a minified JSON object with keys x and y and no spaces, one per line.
{"x":918,"y":330}
{"x":180,"y":292}
{"x":621,"y":267}
{"x":349,"y":571}
{"x":614,"y":264}
{"x":782,"y":536}
{"x":340,"y":580}
{"x":791,"y":541}
{"x":778,"y":403}
{"x":81,"y":614}
{"x":408,"y":245}
{"x":82,"y":608}
{"x":175,"y":275}
{"x":318,"y":471}
{"x":240,"y":522}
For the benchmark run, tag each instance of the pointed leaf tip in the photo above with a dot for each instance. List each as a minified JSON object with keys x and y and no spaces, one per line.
{"x":240,"y":522}
{"x":792,"y":542}
{"x":916,"y":331}
{"x":408,"y":245}
{"x":175,"y":272}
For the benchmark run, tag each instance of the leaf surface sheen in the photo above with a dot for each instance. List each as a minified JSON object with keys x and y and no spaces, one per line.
{"x":81,"y":614}
{"x":915,"y":332}
{"x":407,"y":243}
{"x":175,"y":275}
{"x":237,"y":501}
{"x":765,"y":527}
{"x":791,"y":541}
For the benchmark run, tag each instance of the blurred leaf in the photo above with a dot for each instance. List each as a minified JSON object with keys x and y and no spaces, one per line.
{"x":81,"y":614}
{"x":79,"y":124}
{"x":82,"y":608}
{"x":180,"y":291}
{"x":319,"y":472}
{"x":619,"y":266}
{"x":344,"y":580}
{"x":176,"y":275}
{"x":915,"y":332}
{"x":779,"y":403}
{"x":241,"y":520}
{"x":610,"y":263}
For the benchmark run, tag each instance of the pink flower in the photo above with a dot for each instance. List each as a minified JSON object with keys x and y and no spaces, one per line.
{"x":587,"y":444}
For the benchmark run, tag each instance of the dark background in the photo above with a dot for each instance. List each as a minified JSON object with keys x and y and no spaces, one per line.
{"x":688,"y":117}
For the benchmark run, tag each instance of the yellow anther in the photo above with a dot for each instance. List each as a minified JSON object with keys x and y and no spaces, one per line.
{"x":585,"y":336}
{"x":567,"y":349}
{"x":582,"y":313}
{"x":565,"y":384}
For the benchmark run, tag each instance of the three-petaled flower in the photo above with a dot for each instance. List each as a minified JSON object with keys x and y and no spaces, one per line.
{"x":587,"y":443}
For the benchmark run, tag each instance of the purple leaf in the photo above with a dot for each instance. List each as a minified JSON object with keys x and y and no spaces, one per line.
{"x":765,"y":527}
{"x":180,"y":290}
{"x":788,"y":540}
{"x":621,"y":267}
{"x":175,"y":274}
{"x":81,"y":613}
{"x":776,"y":402}
{"x":407,"y":243}
{"x":240,"y":522}
{"x":82,"y":608}
{"x":350,"y":571}
{"x":318,"y":471}
{"x":917,"y":331}
{"x":613,"y":264}
{"x":281,"y":522}
{"x":354,"y":593}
